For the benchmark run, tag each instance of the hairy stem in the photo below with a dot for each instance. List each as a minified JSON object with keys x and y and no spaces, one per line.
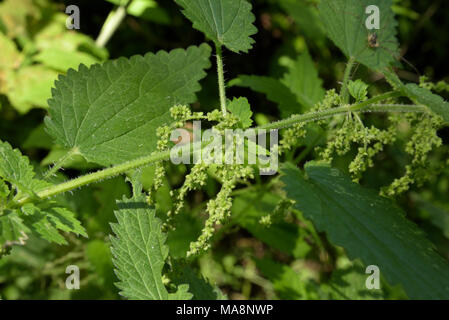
{"x":366,"y":106}
{"x":97,"y":176}
{"x":111,"y":24}
{"x":60,"y":163}
{"x":314,"y":116}
{"x":221,"y":81}
{"x":346,"y":78}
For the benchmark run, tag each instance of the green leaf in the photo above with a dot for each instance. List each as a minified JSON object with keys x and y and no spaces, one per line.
{"x":344,"y":21}
{"x":419,"y":95}
{"x":274,"y":89}
{"x":303,"y":80}
{"x":181,"y":294}
{"x":139,"y":252}
{"x":10,"y":58}
{"x":424,"y":96}
{"x":240,"y":108}
{"x":4,"y":191}
{"x":62,"y":60}
{"x":47,"y":219}
{"x":369,"y":227}
{"x":12,"y":230}
{"x":226,"y":22}
{"x":16,"y":168}
{"x":358,"y":90}
{"x":30,"y":87}
{"x":110,"y":112}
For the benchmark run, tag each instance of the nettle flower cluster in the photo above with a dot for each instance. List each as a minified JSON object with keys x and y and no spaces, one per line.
{"x":345,"y":132}
{"x":218,"y":209}
{"x":369,"y":142}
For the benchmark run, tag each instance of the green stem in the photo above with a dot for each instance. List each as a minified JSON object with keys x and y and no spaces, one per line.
{"x":221,"y":81}
{"x":314,"y":116}
{"x":60,"y":163}
{"x":366,"y":106}
{"x":111,"y":24}
{"x":346,"y":78}
{"x":101,"y":175}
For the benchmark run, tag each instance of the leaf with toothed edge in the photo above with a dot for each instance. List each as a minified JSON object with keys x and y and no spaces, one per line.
{"x":12,"y":230}
{"x":240,"y":108}
{"x":226,"y":22}
{"x":46,"y":220}
{"x":109,"y":113}
{"x":369,"y":227}
{"x":139,"y":252}
{"x":344,"y":22}
{"x":16,"y":169}
{"x":424,"y":96}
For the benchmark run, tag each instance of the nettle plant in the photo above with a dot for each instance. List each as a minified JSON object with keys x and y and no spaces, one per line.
{"x":120,"y":115}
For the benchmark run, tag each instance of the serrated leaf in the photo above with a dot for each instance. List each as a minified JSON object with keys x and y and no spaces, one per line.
{"x":110,"y":112}
{"x":181,"y":294}
{"x":139,"y":252}
{"x":369,"y":227}
{"x":358,"y":90}
{"x":226,"y":22}
{"x":12,"y":229}
{"x":274,"y":89}
{"x":16,"y":168}
{"x":419,"y":95}
{"x":240,"y":108}
{"x":344,"y":21}
{"x":424,"y":96}
{"x":303,"y":80}
{"x":47,"y":219}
